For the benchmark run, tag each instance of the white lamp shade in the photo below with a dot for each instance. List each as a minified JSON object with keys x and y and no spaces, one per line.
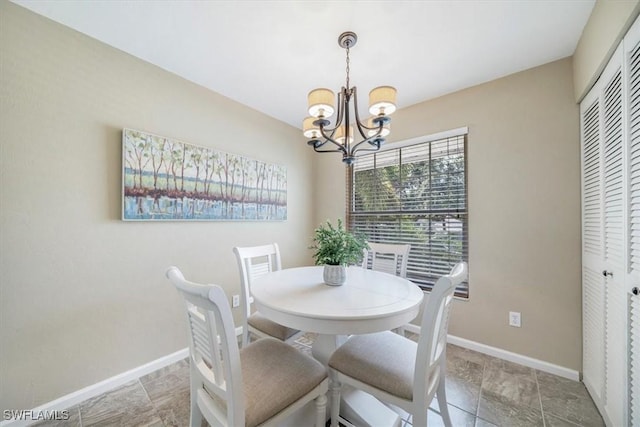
{"x":321,"y":103}
{"x":382,"y":100}
{"x":386,"y":129}
{"x":310,"y":130}
{"x":339,"y":137}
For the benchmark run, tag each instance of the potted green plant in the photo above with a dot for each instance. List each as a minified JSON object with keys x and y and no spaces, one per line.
{"x":336,"y":248}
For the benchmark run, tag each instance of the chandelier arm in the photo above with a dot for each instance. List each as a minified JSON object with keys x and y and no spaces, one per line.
{"x":377,"y":128}
{"x":362,"y":126}
{"x":341,"y":105}
{"x":328,"y":138}
{"x":325,"y":130}
{"x":316,"y":144}
{"x":359,"y":123}
{"x":327,"y":151}
{"x":371,"y":138}
{"x":376,"y":148}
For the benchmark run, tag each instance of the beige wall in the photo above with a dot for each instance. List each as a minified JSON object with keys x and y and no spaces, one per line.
{"x":524,"y":204}
{"x":82,"y":294}
{"x":329,"y":190}
{"x":609,"y":21}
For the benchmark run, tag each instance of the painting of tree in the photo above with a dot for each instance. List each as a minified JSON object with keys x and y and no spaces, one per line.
{"x":164,"y":179}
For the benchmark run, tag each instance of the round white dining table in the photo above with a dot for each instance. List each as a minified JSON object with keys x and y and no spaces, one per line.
{"x":370,"y":301}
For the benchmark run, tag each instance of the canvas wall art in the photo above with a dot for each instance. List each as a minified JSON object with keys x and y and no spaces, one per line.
{"x":165,"y":179}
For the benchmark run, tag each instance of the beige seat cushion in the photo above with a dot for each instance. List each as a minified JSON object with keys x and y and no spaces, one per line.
{"x":274,"y":329}
{"x":383,"y":360}
{"x":274,"y":375}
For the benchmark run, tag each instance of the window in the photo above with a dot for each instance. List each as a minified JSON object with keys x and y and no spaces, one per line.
{"x":415,"y":192}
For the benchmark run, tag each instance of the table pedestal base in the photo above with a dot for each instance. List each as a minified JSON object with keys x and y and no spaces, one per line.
{"x":362,"y":409}
{"x":357,"y":407}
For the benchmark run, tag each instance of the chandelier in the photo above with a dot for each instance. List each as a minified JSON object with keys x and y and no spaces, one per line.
{"x":339,"y":138}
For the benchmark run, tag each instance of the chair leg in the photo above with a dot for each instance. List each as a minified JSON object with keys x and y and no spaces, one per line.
{"x":419,"y":419}
{"x":245,"y":335}
{"x":195,"y":414}
{"x":442,"y":402}
{"x":334,"y":388}
{"x":196,"y":417}
{"x":321,"y":410}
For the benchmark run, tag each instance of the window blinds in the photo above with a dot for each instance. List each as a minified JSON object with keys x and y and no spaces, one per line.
{"x":415,"y":194}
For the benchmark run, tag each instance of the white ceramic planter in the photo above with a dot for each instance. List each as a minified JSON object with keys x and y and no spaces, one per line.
{"x":334,"y":275}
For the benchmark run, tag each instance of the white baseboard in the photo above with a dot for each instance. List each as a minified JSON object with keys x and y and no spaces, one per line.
{"x":541,"y":365}
{"x":76,"y":397}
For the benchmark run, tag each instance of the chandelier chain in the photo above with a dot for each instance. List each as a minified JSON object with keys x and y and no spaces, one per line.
{"x":348,"y":67}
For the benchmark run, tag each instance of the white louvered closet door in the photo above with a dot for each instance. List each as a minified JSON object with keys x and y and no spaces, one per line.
{"x":632,"y":299}
{"x":610,"y":120}
{"x":592,"y":248}
{"x":634,"y":359}
{"x":614,"y":239}
{"x":605,"y":241}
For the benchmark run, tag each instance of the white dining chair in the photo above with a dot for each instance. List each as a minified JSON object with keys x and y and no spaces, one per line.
{"x":260,"y":385}
{"x":387,"y":257}
{"x":397,"y":370}
{"x":253,"y":262}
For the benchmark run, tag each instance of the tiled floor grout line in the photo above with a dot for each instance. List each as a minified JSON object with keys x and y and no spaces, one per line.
{"x":535,"y":374}
{"x":146,"y":393}
{"x":79,"y":415}
{"x":477,"y":414}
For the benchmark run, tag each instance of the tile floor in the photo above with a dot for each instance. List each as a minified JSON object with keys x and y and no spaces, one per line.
{"x":482,"y":391}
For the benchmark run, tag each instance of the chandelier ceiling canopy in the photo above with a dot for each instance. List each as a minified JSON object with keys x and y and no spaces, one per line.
{"x":339,"y":137}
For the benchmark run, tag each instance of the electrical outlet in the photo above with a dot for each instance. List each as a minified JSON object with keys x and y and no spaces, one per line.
{"x":235,"y":301}
{"x":515,"y":319}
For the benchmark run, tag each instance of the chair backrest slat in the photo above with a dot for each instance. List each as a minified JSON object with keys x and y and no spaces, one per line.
{"x":201,"y":345}
{"x":388,"y":258}
{"x":259,"y":269}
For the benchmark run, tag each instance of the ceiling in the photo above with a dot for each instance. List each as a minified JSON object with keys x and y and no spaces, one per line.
{"x":270,"y":54}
